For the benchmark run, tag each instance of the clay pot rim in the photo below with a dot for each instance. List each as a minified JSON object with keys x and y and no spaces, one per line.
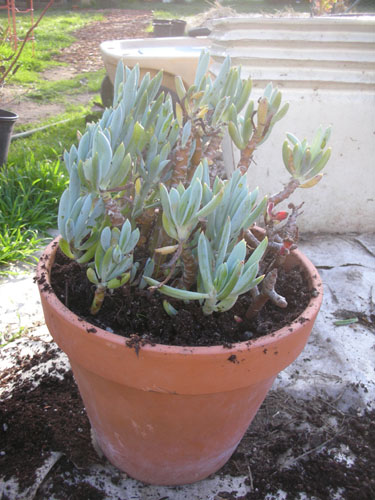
{"x":47,"y":260}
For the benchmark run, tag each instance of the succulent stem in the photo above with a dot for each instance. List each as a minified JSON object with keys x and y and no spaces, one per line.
{"x":247,"y":154}
{"x":284,"y":193}
{"x":267,"y":293}
{"x":181,"y":165}
{"x":98,"y":299}
{"x":190,"y":268}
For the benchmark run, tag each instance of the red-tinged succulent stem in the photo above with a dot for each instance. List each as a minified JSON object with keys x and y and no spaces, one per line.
{"x":247,"y":154}
{"x":284,"y":193}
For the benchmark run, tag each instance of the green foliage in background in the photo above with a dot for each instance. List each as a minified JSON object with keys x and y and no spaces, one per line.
{"x":53,"y":33}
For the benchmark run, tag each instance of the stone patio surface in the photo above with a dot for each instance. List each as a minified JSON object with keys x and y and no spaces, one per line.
{"x":339,"y":361}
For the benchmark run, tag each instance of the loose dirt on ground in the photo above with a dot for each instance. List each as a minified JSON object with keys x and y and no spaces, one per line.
{"x":293,"y":445}
{"x":82,"y":56}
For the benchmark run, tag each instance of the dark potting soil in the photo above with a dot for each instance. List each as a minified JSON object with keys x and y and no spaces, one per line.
{"x":139,"y":314}
{"x":292,"y":445}
{"x":38,"y":419}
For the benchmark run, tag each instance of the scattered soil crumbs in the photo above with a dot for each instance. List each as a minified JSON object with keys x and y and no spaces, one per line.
{"x":138,"y":312}
{"x":307,"y":446}
{"x":38,"y":419}
{"x":292,"y":445}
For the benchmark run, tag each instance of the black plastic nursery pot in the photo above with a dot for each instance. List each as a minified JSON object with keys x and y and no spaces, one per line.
{"x":168,"y":27}
{"x":7,"y":121}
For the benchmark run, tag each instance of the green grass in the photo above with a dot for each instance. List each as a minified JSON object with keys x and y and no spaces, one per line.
{"x":61,"y":90}
{"x":33,"y":180}
{"x":48,"y":144}
{"x":29,"y":195}
{"x":31,"y":185}
{"x":52,"y":34}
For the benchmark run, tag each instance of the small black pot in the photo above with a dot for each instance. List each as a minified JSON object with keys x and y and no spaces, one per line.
{"x":7,"y":121}
{"x":168,"y":27}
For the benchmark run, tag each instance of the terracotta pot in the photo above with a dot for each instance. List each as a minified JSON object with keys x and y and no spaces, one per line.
{"x":171,"y":415}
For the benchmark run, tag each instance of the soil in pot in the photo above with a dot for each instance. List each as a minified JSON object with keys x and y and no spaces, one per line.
{"x":139,"y":314}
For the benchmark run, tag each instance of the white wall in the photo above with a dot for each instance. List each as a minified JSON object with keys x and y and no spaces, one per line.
{"x":326,"y":70}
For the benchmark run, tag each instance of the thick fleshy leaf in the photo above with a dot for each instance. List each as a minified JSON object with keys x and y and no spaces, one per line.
{"x":257,"y":254}
{"x":204,"y":263}
{"x":119,"y":281}
{"x":203,"y":62}
{"x":91,"y":274}
{"x":210,"y":207}
{"x":176,"y":293}
{"x":233,"y":277}
{"x":237,"y":254}
{"x":223,"y":243}
{"x":105,"y":238}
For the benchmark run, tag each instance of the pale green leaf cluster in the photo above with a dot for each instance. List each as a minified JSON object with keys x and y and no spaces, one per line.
{"x":79,"y":220}
{"x":243,"y":127}
{"x":132,"y":140}
{"x":229,"y":207}
{"x":139,"y":177}
{"x":183,"y":208}
{"x":224,"y":277}
{"x":113,"y":257}
{"x":216,"y":100}
{"x":303,"y":161}
{"x":238,"y":210}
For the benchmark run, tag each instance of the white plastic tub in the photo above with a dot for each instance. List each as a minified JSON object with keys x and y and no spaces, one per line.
{"x":175,"y":56}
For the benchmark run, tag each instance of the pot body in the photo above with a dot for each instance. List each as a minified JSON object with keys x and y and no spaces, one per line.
{"x":167,"y":414}
{"x":7,"y":121}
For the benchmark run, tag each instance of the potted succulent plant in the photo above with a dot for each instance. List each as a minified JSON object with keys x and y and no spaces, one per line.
{"x":161,"y":248}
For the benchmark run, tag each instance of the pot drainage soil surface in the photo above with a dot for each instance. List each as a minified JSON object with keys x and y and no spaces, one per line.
{"x":292,"y":445}
{"x":140,"y":313}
